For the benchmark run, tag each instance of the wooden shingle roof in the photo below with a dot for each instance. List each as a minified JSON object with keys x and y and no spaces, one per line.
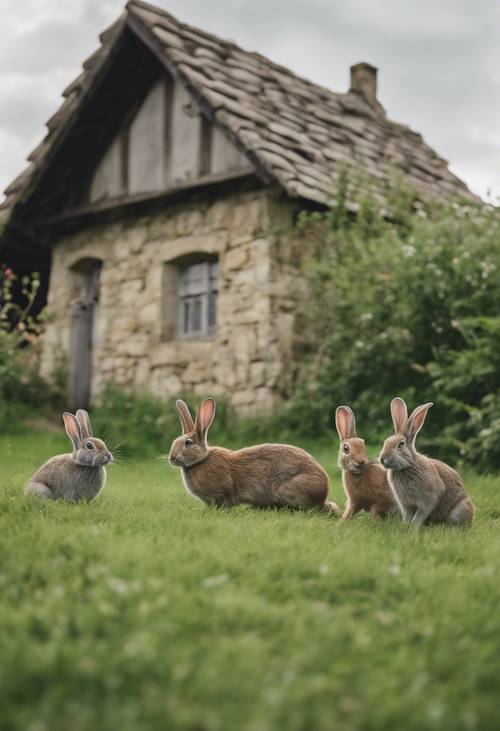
{"x":296,"y":133}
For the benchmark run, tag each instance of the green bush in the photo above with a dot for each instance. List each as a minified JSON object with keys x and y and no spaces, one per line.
{"x":406,"y":305}
{"x":21,"y":388}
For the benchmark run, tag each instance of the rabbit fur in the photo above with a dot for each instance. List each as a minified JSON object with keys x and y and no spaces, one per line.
{"x":76,"y":477}
{"x":265,"y":475}
{"x":426,"y":490}
{"x":365,"y":483}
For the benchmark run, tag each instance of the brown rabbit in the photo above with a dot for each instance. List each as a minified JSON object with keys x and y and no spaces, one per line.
{"x":76,"y":477}
{"x":365,"y":483}
{"x":426,"y":489}
{"x":265,"y":475}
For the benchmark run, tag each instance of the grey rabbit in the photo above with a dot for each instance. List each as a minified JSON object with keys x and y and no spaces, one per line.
{"x":425,"y":489}
{"x":75,"y":477}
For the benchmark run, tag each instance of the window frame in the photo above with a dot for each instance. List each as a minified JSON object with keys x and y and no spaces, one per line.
{"x":200,"y":291}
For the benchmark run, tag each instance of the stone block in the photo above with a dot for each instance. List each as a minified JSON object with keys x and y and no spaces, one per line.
{"x":164,"y":354}
{"x":196,"y":372}
{"x":141,"y":377}
{"x":263,"y":399}
{"x":134,"y":347}
{"x":249,"y":217}
{"x":148,"y":314}
{"x":236,"y":240}
{"x":242,"y":398}
{"x":172,"y":385}
{"x":244,"y":343}
{"x":235,"y":258}
{"x":191,"y":221}
{"x":244,"y":277}
{"x":132,"y":288}
{"x":257,"y":374}
{"x":262,"y":272}
{"x":219,"y":215}
{"x":206,"y":389}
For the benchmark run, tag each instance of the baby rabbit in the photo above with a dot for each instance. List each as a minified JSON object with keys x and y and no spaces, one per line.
{"x":426,"y":490}
{"x":365,"y":483}
{"x":75,"y":477}
{"x":265,"y":475}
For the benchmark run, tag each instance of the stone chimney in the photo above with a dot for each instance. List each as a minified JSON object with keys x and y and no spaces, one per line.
{"x":364,"y":81}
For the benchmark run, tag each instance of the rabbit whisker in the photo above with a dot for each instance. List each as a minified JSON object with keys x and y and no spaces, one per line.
{"x":120,"y":444}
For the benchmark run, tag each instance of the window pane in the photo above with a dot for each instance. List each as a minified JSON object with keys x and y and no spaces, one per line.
{"x":212,"y":311}
{"x":186,"y":315}
{"x":197,"y":315}
{"x":214,"y":273}
{"x":198,"y":298}
{"x":192,"y":315}
{"x":194,"y":279}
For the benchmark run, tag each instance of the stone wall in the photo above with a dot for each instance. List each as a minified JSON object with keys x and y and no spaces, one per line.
{"x":248,"y":358}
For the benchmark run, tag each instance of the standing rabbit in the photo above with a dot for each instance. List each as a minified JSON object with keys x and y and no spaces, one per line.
{"x":365,"y":483}
{"x":426,"y":489}
{"x":265,"y":475}
{"x":76,"y":477}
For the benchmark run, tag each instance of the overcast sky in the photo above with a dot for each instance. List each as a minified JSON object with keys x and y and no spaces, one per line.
{"x":439,"y":63}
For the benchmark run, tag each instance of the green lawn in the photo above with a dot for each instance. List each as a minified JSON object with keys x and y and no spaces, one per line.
{"x":146,"y":610}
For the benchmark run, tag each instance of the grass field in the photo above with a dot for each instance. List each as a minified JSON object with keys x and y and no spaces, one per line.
{"x":146,"y":610}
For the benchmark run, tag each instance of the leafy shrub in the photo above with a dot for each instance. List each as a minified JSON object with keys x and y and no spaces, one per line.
{"x":20,"y":385}
{"x":469,"y":379}
{"x":408,"y":305}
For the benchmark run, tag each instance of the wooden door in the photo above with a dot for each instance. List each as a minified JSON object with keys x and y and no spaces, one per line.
{"x":83,"y":335}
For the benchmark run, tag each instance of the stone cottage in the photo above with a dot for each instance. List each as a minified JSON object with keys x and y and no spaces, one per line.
{"x":159,"y":207}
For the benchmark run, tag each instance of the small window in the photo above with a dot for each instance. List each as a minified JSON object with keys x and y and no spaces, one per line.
{"x":198,"y":299}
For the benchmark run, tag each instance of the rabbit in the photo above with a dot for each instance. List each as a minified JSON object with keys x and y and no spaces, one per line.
{"x":76,"y":477}
{"x":365,"y":483}
{"x":426,"y":489}
{"x":266,"y":475}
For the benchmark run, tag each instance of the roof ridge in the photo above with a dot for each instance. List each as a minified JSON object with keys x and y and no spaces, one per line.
{"x":233,"y":44}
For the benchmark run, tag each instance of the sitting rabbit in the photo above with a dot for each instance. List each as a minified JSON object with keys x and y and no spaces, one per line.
{"x":426,"y":489}
{"x":365,"y":483}
{"x":265,"y":475}
{"x":75,"y":477}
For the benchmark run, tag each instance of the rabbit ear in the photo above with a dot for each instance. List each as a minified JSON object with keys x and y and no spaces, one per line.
{"x":345,"y":422}
{"x":186,"y":418}
{"x":416,"y":420}
{"x":72,"y":429}
{"x":205,"y":417}
{"x":84,"y":422}
{"x":399,"y":414}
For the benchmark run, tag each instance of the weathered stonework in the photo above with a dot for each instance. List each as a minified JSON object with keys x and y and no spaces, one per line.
{"x":248,"y":358}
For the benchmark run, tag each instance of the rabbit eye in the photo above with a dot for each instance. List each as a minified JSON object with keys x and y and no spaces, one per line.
{"x":346,"y":449}
{"x":89,"y":445}
{"x":401,"y":443}
{"x":188,"y":443}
